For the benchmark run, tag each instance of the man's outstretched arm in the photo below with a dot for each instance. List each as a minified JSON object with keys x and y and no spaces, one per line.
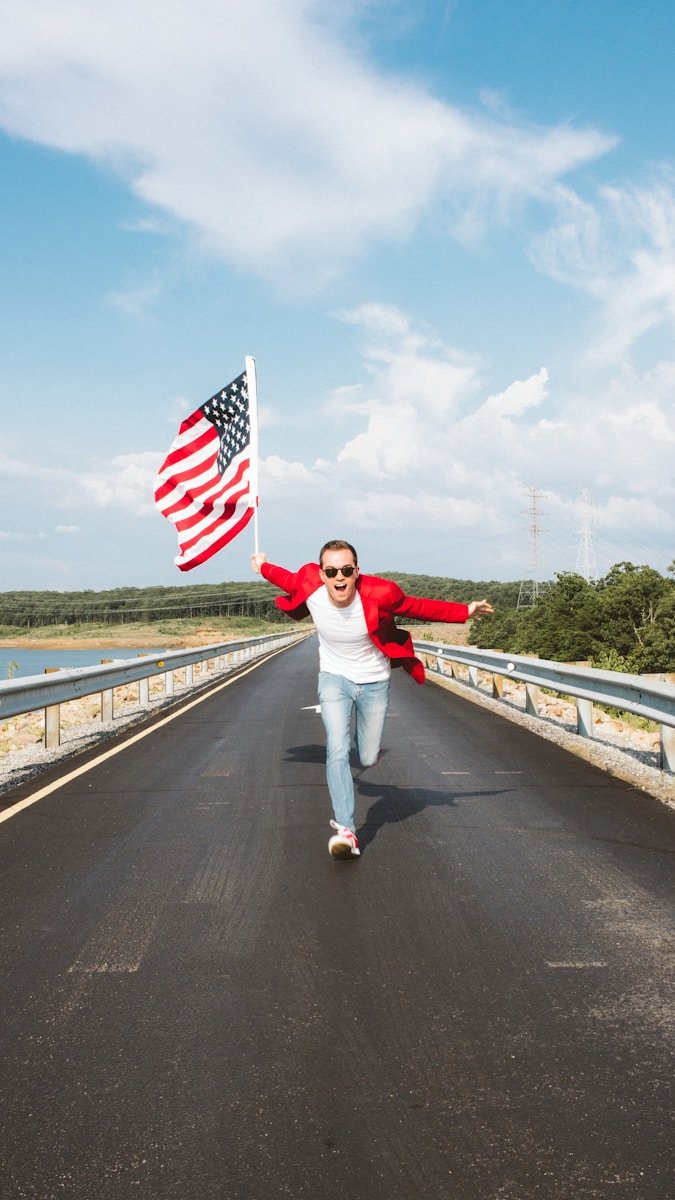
{"x":444,"y":611}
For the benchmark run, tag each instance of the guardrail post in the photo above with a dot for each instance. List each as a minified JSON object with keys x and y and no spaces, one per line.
{"x":473,"y":676}
{"x":143,"y":686}
{"x":168,"y":683}
{"x":667,"y":748}
{"x":106,"y":698}
{"x":52,"y":719}
{"x":585,"y":717}
{"x":188,"y":673}
{"x":498,"y":687}
{"x":532,"y":699}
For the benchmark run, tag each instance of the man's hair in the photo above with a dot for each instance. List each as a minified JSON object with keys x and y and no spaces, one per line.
{"x":338,"y":544}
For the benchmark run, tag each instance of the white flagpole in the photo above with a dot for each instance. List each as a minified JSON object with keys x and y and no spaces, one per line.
{"x":253,"y":419}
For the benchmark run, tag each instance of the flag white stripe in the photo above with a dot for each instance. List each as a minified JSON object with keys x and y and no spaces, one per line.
{"x":182,"y":492}
{"x":212,"y":515}
{"x":184,"y":489}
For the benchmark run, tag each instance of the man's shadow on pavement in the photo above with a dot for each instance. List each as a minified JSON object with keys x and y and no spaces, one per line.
{"x":391,"y":803}
{"x":394,"y":804}
{"x":314,"y":753}
{"x":311,"y":753}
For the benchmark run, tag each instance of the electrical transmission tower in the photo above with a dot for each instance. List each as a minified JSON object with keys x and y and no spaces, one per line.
{"x":532,"y":589}
{"x":586,"y":564}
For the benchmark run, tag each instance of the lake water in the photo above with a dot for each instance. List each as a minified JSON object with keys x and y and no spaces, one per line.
{"x":33,"y":662}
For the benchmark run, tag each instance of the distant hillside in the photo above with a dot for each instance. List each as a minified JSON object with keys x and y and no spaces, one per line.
{"x":26,"y":610}
{"x":31,"y":609}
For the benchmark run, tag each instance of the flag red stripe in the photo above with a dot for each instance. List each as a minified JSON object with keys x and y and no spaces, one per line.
{"x":207,"y":516}
{"x":195,"y":499}
{"x":210,"y":522}
{"x":214,"y":547}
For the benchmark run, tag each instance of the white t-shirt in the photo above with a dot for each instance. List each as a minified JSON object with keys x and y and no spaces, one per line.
{"x":345,"y":647}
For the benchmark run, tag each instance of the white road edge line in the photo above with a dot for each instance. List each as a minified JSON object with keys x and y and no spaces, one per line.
{"x":137,"y":737}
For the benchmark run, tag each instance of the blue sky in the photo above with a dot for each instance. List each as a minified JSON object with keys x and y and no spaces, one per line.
{"x":445,"y":231}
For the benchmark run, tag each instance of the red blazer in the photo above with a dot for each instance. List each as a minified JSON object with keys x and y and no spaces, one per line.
{"x":382,"y":601}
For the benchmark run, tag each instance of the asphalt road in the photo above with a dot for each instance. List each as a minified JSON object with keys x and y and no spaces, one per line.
{"x":200,"y":1003}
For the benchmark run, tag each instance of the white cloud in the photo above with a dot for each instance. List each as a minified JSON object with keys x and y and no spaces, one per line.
{"x":149,"y":225}
{"x":12,"y":466}
{"x":376,"y":508}
{"x":287,"y":474}
{"x":66,"y":529}
{"x":136,"y":302}
{"x":259,"y":127}
{"x":127,"y":482}
{"x":621,"y":250}
{"x":515,"y":400}
{"x":645,"y":418}
{"x":15,"y":536}
{"x":443,"y":468}
{"x":411,"y":366}
{"x":378,"y":319}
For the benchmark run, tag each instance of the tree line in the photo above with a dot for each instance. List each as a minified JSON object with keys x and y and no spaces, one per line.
{"x":32,"y":609}
{"x":622,"y":622}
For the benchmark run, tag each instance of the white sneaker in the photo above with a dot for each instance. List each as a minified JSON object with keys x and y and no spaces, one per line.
{"x":344,"y":843}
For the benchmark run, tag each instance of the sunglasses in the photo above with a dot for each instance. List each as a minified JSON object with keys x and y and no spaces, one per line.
{"x":331,"y":572}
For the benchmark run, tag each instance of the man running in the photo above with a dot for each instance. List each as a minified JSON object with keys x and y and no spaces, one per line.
{"x":359,"y":642}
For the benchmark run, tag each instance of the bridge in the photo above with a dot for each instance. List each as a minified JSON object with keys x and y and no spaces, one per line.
{"x":199,"y":1002}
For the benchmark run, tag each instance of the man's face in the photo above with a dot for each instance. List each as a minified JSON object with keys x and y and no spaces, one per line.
{"x":341,"y":590}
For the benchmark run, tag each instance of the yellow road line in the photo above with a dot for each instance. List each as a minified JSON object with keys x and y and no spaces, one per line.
{"x":94,"y":762}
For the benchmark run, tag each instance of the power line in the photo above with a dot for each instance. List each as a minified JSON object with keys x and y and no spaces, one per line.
{"x":586,"y":564}
{"x":530,"y":590}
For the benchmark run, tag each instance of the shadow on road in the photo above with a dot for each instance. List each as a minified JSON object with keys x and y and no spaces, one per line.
{"x":394,"y":804}
{"x":311,"y":753}
{"x":391,"y":804}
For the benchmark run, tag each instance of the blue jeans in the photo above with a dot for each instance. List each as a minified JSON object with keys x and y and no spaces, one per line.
{"x":340,"y":697}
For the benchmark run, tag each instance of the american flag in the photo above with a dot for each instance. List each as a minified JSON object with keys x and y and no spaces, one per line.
{"x":205,"y":484}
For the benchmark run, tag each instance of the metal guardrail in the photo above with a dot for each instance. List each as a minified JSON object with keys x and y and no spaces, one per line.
{"x":49,"y":691}
{"x":629,"y":693}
